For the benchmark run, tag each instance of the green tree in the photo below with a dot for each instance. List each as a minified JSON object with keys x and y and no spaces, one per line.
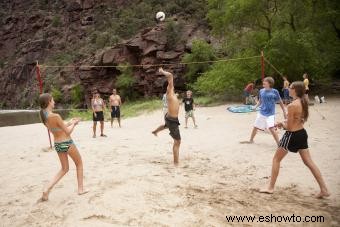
{"x":56,"y":94}
{"x":173,"y":34}
{"x":125,"y":81}
{"x":229,"y":77}
{"x":296,"y":36}
{"x":200,"y":51}
{"x":77,"y":95}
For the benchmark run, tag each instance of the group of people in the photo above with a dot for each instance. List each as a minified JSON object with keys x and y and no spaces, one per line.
{"x":294,"y":139}
{"x":250,"y":94}
{"x":98,"y":107}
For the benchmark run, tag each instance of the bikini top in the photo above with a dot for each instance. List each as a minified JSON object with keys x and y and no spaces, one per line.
{"x":52,"y":129}
{"x":97,"y":103}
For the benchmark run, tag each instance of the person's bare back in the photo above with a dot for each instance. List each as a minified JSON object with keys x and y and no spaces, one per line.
{"x":296,"y":121}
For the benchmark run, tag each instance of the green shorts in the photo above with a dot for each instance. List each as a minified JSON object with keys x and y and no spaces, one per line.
{"x":189,"y":113}
{"x":63,"y":146}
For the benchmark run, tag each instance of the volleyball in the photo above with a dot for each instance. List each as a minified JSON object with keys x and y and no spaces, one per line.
{"x":160,"y":16}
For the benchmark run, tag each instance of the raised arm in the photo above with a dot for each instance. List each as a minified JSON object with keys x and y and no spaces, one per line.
{"x":170,"y":79}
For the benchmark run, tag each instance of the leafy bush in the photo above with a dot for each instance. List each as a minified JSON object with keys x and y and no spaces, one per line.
{"x":56,"y":94}
{"x":173,"y":34}
{"x":297,"y":36}
{"x":77,"y":94}
{"x":125,"y":81}
{"x":201,"y":51}
{"x":223,"y":78}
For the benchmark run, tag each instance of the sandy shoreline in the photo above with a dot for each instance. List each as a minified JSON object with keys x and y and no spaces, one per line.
{"x":133,"y":181}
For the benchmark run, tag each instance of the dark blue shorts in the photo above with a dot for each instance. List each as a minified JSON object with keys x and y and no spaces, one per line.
{"x":115,"y":112}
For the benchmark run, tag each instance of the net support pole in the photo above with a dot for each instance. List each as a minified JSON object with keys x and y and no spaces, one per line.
{"x":40,"y":91}
{"x":262,"y":65}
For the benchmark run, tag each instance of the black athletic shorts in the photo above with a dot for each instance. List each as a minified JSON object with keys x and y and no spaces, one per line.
{"x":294,"y":141}
{"x":99,"y":116}
{"x":172,"y":123}
{"x":307,"y":91}
{"x":115,"y":112}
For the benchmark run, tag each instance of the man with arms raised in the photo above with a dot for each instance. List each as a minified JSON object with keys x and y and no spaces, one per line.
{"x":171,"y":118}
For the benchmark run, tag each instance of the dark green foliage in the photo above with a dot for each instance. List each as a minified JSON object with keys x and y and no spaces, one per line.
{"x":125,"y":81}
{"x":56,"y":94}
{"x":77,"y":94}
{"x":296,"y":37}
{"x":173,"y":32}
{"x":200,"y":51}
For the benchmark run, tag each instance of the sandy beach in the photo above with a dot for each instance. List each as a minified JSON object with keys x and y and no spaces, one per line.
{"x":133,"y":182}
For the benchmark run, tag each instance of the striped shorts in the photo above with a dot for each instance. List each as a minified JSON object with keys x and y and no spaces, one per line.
{"x":63,"y":146}
{"x":294,"y":141}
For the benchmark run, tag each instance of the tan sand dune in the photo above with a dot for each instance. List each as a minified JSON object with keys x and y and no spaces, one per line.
{"x":134,"y":183}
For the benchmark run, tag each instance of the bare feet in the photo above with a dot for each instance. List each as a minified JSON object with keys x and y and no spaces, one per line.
{"x":186,"y":127}
{"x":94,"y":136}
{"x":44,"y":196}
{"x":102,"y":135}
{"x":322,"y":195}
{"x":247,"y":142}
{"x":154,"y":133}
{"x":267,"y":190}
{"x":82,"y":192}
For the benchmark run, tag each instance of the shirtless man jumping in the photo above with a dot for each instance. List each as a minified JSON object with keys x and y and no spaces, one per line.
{"x":115,"y":103}
{"x":171,"y":118}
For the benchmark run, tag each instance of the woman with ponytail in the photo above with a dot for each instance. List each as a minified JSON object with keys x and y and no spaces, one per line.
{"x":295,"y":139}
{"x":62,"y":142}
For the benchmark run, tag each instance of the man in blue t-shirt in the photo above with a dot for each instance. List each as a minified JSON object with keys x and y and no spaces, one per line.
{"x":265,"y":119}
